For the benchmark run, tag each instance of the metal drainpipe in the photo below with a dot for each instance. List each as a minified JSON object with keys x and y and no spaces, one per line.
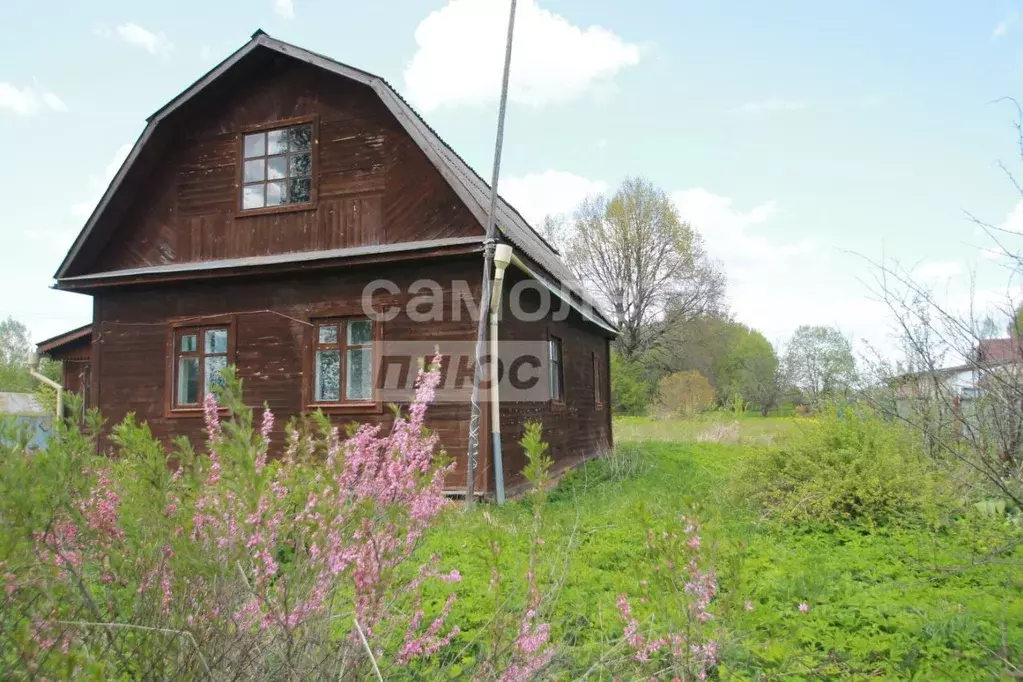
{"x":33,"y":365}
{"x":502,"y":257}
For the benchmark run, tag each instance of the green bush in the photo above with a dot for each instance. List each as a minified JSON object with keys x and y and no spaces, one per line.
{"x":847,"y":466}
{"x":631,"y":391}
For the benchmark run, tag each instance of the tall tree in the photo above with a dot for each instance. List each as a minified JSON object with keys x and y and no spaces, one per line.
{"x":749,"y":368}
{"x":14,"y":349}
{"x":820,"y":362}
{"x":648,"y":266}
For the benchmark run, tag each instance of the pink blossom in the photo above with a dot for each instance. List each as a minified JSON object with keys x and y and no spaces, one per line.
{"x":803,"y":607}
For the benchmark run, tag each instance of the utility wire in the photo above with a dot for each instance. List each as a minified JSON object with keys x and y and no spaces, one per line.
{"x":488,"y":259}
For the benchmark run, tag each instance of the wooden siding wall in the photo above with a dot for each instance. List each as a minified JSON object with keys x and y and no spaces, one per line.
{"x":131,"y":343}
{"x":372,"y":184}
{"x":577,"y":430}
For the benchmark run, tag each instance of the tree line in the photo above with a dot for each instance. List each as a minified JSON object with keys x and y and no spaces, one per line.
{"x":679,"y":348}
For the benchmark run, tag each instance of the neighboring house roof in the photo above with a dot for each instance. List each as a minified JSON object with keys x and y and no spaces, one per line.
{"x":21,"y":405}
{"x":53,"y":343}
{"x":467,"y":184}
{"x":999,"y":350}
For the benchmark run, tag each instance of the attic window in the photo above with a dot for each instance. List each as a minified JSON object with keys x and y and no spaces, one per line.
{"x":277,"y":167}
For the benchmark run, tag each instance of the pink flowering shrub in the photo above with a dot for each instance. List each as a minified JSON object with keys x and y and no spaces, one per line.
{"x":226,"y":563}
{"x":676,"y":635}
{"x":518,"y":646}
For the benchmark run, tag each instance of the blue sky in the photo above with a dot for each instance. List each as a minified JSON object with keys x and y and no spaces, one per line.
{"x":794,"y":135}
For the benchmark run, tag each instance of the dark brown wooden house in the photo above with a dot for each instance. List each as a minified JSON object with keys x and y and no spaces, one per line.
{"x":282,"y":215}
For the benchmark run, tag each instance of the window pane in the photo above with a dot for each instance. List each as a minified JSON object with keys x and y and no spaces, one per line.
{"x":300,"y":165}
{"x":255,"y":145}
{"x":300,"y":192}
{"x":254,"y":171}
{"x":188,"y":344}
{"x":360,"y":374}
{"x":277,"y":142}
{"x":360,"y":332}
{"x":274,"y":193}
{"x":328,"y":334}
{"x":276,"y":167}
{"x":301,"y":137}
{"x":216,"y":340}
{"x":252,"y":196}
{"x":214,"y":365}
{"x":328,"y":375}
{"x":188,"y":381}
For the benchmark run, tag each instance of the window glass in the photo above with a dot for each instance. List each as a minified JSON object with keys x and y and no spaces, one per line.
{"x":360,"y":365}
{"x":300,"y":191}
{"x":360,"y":332}
{"x":328,"y":375}
{"x":275,"y":194}
{"x":277,"y":167}
{"x":277,"y":142}
{"x":328,"y":333}
{"x":255,"y":145}
{"x":556,"y":385}
{"x":202,"y":355}
{"x":254,"y":170}
{"x":188,"y":343}
{"x":188,"y":381}
{"x":214,"y":366}
{"x":343,"y":361}
{"x":216,"y":340}
{"x":252,"y":196}
{"x":300,"y":138}
{"x":300,"y":165}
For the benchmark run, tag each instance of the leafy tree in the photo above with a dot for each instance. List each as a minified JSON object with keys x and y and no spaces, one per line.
{"x":698,"y":344}
{"x":14,"y":349}
{"x":820,"y":362}
{"x":684,"y":393}
{"x":648,"y":266}
{"x":749,"y":368}
{"x":736,"y":359}
{"x":630,"y":389}
{"x":14,"y":373}
{"x":1015,"y":325}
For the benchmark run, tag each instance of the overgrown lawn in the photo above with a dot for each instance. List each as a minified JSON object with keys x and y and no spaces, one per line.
{"x":898,"y":602}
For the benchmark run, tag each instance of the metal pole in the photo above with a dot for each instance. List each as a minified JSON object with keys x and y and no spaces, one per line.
{"x":488,"y":259}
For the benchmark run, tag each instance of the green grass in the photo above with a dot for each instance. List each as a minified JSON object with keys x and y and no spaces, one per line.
{"x":884,"y":604}
{"x":752,"y":430}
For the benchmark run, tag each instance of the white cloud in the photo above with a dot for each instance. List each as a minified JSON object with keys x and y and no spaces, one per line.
{"x":461,"y":53}
{"x":98,"y":183}
{"x":937,"y":271}
{"x":284,"y":8}
{"x":770,"y":105}
{"x":776,"y":284}
{"x":138,"y":36}
{"x":29,"y":100}
{"x":551,"y":192}
{"x":1003,"y":26}
{"x":1014,"y":220}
